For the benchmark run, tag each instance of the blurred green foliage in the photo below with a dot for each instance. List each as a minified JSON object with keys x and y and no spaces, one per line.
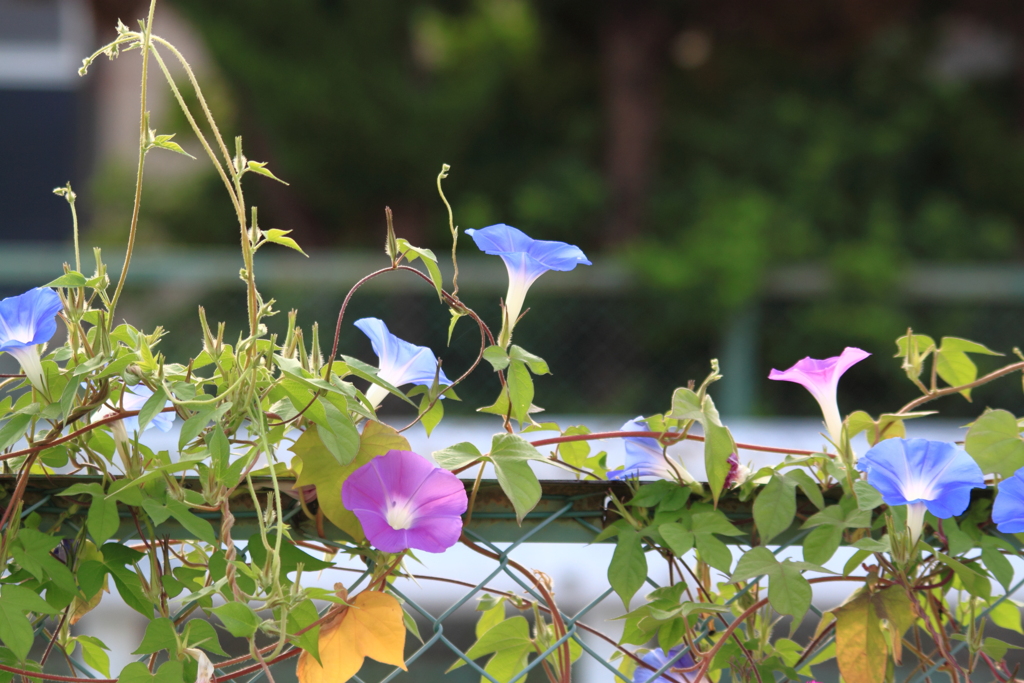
{"x":864,"y":160}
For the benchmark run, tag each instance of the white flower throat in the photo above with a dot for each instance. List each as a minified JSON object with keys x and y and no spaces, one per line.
{"x":400,"y":514}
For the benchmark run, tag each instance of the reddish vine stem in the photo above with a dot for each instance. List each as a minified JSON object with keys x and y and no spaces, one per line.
{"x":666,"y":436}
{"x":948,"y":391}
{"x":43,"y":445}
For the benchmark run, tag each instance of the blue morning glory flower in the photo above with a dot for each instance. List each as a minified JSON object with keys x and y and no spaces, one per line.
{"x":922,"y":474}
{"x":399,"y":362}
{"x":657,"y":658}
{"x":1008,"y":510}
{"x":526,"y":260}
{"x":133,"y":398}
{"x":27,"y":321}
{"x":136,"y":397}
{"x":645,"y":457}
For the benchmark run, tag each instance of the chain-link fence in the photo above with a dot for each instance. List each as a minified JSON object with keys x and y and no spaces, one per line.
{"x":570,"y":514}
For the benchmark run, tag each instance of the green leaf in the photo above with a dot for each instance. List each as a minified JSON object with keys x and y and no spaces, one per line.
{"x":238,"y":618}
{"x":220,"y":449}
{"x":574,"y":452}
{"x":536,"y":364}
{"x":994,"y":442}
{"x":14,"y":429}
{"x":496,"y":356}
{"x":196,"y":526}
{"x":519,"y":483}
{"x":337,"y":431}
{"x":868,"y":497}
{"x":954,"y":366}
{"x":102,"y":520}
{"x":152,"y":407}
{"x":429,"y":260}
{"x":15,"y":631}
{"x":510,"y":634}
{"x":520,"y":390}
{"x":431,"y":413}
{"x":68,"y":279}
{"x":160,"y":635}
{"x":774,"y":508}
{"x":714,"y":552}
{"x":810,"y":488}
{"x":821,"y":544}
{"x":975,"y":583}
{"x":278,"y":237}
{"x":628,"y":568}
{"x":789,"y":592}
{"x":686,"y":405}
{"x":506,"y":446}
{"x":457,"y":456}
{"x":1007,"y":615}
{"x":200,"y":633}
{"x":758,"y":561}
{"x":165,"y":142}
{"x":718,"y":446}
{"x":94,"y":655}
{"x":261,"y":168}
{"x":995,"y":562}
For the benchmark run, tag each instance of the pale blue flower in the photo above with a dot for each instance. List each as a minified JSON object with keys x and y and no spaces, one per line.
{"x":821,"y":378}
{"x":136,"y":397}
{"x":399,"y":362}
{"x":27,"y":321}
{"x":645,"y":457}
{"x":132,"y":398}
{"x":658,"y":658}
{"x":526,"y":260}
{"x":1008,"y":510}
{"x":923,"y":475}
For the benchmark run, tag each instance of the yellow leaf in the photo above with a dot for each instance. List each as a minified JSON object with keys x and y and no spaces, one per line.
{"x":371,"y":627}
{"x":321,"y":469}
{"x":862,"y":648}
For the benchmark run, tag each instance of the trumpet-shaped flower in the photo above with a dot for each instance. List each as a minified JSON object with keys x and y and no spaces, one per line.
{"x":645,"y":457}
{"x":404,"y":501}
{"x":1008,"y":510}
{"x":399,"y":362}
{"x":923,"y":475}
{"x":658,"y":658}
{"x":526,"y":260}
{"x":26,"y":323}
{"x":821,"y":378}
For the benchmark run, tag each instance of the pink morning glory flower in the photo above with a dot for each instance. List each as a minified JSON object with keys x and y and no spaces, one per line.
{"x":526,"y":260}
{"x":923,"y":475}
{"x":399,"y":362}
{"x":821,"y":378}
{"x":1008,"y":510}
{"x":645,"y":457}
{"x":406,"y":502}
{"x":26,"y":323}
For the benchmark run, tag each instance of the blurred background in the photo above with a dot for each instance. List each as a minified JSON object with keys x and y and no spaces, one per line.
{"x":753,"y":181}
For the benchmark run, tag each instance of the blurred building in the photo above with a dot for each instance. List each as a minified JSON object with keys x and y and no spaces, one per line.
{"x":43,"y":113}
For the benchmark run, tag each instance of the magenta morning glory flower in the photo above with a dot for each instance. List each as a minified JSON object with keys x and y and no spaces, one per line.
{"x":26,"y":323}
{"x":526,"y":260}
{"x":399,"y":362}
{"x":657,"y":658}
{"x":404,"y":501}
{"x":1008,"y":510}
{"x":922,"y":474}
{"x":821,"y":378}
{"x":645,"y":457}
